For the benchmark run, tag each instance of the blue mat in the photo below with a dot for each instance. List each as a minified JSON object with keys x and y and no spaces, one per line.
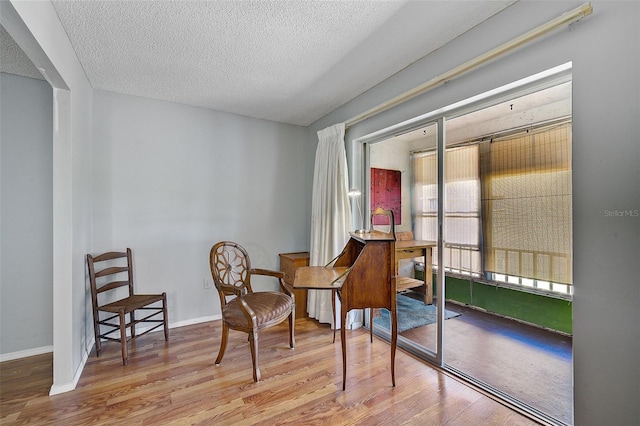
{"x":412,"y":313}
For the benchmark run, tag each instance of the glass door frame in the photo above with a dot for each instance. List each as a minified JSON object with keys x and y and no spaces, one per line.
{"x":359,"y":166}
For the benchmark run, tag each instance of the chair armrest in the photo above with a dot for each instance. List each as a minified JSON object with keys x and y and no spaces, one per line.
{"x":280,"y":276}
{"x":249,"y":314}
{"x":288,"y":290}
{"x":268,"y":272}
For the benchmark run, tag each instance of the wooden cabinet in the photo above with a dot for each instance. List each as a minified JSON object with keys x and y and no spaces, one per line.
{"x":289,"y":262}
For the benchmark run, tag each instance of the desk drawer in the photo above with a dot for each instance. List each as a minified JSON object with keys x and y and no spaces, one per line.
{"x":409,"y":253}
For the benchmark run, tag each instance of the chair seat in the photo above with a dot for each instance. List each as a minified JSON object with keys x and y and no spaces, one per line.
{"x":267,"y":305}
{"x":131,"y":303}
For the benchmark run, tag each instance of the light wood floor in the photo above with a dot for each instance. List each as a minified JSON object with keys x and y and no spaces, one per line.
{"x":178,"y":383}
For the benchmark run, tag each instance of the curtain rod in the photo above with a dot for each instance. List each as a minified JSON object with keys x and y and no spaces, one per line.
{"x":564,"y":19}
{"x":489,"y":137}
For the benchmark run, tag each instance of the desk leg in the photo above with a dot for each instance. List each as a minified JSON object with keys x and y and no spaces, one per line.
{"x":343,"y":335}
{"x":333,"y":312}
{"x":428,"y":277}
{"x":370,"y":324}
{"x":394,"y":342}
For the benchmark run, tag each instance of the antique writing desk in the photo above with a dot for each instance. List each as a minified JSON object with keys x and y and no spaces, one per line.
{"x":363,"y":276}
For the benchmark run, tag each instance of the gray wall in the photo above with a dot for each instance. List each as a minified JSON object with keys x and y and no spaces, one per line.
{"x":605,"y":51}
{"x":37,"y":30}
{"x":254,"y":191}
{"x":26,"y":218}
{"x":171,"y":180}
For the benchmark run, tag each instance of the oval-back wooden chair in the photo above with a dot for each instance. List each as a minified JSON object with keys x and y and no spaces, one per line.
{"x":242,"y":308}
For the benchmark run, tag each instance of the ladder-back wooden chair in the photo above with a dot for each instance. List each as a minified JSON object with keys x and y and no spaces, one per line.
{"x":112,"y":304}
{"x":246,"y":310}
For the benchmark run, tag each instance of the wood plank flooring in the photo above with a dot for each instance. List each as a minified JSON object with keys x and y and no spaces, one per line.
{"x":178,"y":383}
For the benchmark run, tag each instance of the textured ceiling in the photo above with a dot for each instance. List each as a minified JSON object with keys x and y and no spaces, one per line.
{"x":287,"y":61}
{"x":13,"y":60}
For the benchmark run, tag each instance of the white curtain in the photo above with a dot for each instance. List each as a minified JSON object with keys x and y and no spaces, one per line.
{"x":330,"y":218}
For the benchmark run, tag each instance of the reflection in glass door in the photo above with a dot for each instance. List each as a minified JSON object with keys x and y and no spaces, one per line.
{"x":416,"y":232}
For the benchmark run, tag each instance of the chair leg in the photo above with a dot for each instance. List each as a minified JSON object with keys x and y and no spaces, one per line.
{"x":292,"y":322}
{"x":223,"y":343}
{"x":253,"y":342}
{"x":123,"y":337}
{"x":165,"y":317}
{"x":132,"y":315}
{"x":96,"y":331}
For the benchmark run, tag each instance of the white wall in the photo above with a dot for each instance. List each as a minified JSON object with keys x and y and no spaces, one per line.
{"x":171,"y":180}
{"x":26,"y":218}
{"x":605,"y":50}
{"x":396,"y":156}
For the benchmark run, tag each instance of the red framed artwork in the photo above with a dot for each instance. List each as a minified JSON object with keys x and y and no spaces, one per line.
{"x":385,"y":193}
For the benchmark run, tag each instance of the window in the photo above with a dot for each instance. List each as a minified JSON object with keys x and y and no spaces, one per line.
{"x":462,"y":209}
{"x":526,"y":205}
{"x":508,"y":212}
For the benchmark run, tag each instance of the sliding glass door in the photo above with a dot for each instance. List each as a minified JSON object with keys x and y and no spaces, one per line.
{"x":486,"y":185}
{"x":513,"y":296}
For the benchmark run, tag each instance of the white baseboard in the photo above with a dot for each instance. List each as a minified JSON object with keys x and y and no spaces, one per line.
{"x":356,"y":325}
{"x":26,"y":353}
{"x":195,"y":321}
{"x":68,"y":387}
